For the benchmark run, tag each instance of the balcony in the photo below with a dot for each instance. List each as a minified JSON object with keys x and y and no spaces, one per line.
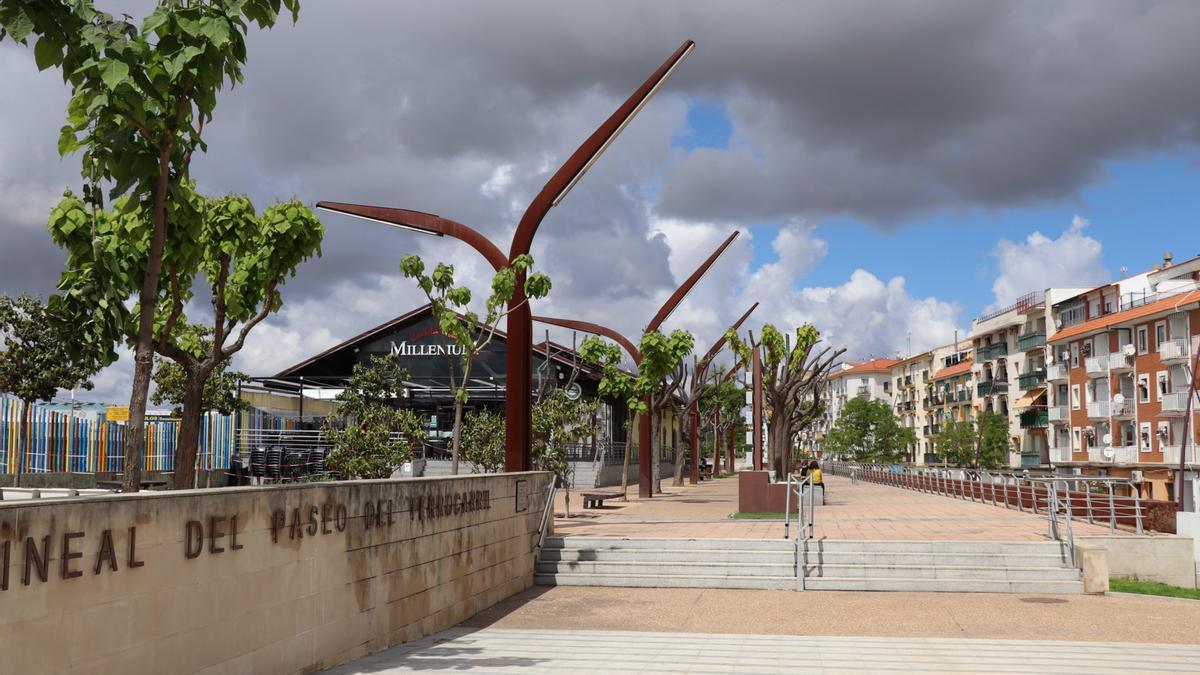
{"x":1032,"y":379}
{"x":1120,"y":362}
{"x":1059,"y":414}
{"x":992,"y":351}
{"x":1030,"y":460}
{"x":1176,"y":401}
{"x":863,"y":391}
{"x":908,"y":380}
{"x":989,"y":387}
{"x":1057,"y":372}
{"x":1118,"y":454}
{"x":1099,"y":410}
{"x":1035,"y":419}
{"x":958,"y":397}
{"x":1060,"y":455}
{"x":1031,"y":341}
{"x":1124,"y":408}
{"x":1096,"y":366}
{"x":1170,"y":454}
{"x":1173,"y":351}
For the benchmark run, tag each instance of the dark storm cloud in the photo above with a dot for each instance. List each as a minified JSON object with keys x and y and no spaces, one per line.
{"x":882,"y":111}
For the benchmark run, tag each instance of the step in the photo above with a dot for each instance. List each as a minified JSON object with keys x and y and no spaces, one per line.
{"x":786,"y":555}
{"x":675,"y":581}
{"x":944,"y":572}
{"x":942,"y":585}
{"x":661,"y":569}
{"x":1048,"y":560}
{"x":599,"y":543}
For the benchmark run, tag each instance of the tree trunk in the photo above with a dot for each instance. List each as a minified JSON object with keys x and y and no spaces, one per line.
{"x":625,"y":464}
{"x":656,"y":450}
{"x":458,"y":417}
{"x":188,"y":441}
{"x":143,"y":357}
{"x":22,"y":441}
{"x":779,"y":447}
{"x":680,"y":454}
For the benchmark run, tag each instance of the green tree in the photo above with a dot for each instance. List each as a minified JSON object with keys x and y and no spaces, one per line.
{"x":36,"y":361}
{"x":483,"y":440}
{"x":721,"y":402}
{"x":867,"y":431}
{"x":244,"y":257}
{"x":220,"y":390}
{"x":470,"y":330}
{"x":794,"y":376}
{"x":555,"y":423}
{"x":982,"y":445}
{"x":648,"y":391}
{"x":371,"y":437}
{"x":140,"y":97}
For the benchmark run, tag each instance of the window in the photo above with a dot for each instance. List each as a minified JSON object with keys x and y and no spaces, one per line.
{"x":1143,"y":340}
{"x":1075,"y":399}
{"x":1143,"y":388}
{"x":1077,"y":445}
{"x":1089,"y":391}
{"x":1071,"y":314}
{"x":1145,"y":437}
{"x":1162,"y":384}
{"x":1160,"y":334}
{"x":1074,"y":354}
{"x":1164,"y":435}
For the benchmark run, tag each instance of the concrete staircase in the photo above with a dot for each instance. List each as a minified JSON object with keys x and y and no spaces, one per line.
{"x":960,"y":566}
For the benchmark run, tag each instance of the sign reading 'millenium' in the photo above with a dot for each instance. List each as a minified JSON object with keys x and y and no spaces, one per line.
{"x":405,"y":349}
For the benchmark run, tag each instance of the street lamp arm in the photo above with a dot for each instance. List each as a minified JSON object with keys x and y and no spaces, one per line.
{"x":597,"y":329}
{"x":426,"y":223}
{"x":681,"y":292}
{"x":577,"y":164}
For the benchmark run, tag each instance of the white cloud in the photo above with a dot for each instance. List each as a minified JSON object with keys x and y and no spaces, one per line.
{"x":1070,"y":261}
{"x":499,"y":181}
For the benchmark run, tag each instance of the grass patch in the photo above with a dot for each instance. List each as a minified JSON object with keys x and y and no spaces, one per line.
{"x":727,"y":474}
{"x":757,"y":516}
{"x":1122,"y":585}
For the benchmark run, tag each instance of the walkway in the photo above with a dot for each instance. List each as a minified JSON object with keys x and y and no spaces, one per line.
{"x":496,"y":650}
{"x":862,"y":511}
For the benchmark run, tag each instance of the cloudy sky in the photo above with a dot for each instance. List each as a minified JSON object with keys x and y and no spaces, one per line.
{"x":894,"y":168}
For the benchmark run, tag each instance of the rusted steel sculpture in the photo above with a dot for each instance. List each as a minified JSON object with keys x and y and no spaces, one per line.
{"x":698,"y":378}
{"x":645,"y":466}
{"x":517,"y":401}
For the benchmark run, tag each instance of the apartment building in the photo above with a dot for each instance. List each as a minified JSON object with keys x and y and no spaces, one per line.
{"x":1120,"y":377}
{"x":949,"y":396}
{"x":869,"y":379}
{"x":910,"y":377}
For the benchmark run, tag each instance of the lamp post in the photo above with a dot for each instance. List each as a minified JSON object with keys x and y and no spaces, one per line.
{"x":519,"y":373}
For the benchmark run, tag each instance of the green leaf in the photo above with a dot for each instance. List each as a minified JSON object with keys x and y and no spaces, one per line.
{"x":47,"y":53}
{"x":20,"y":27}
{"x":114,"y":72}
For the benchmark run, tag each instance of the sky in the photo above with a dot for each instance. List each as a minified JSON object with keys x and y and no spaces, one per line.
{"x":894,"y":169}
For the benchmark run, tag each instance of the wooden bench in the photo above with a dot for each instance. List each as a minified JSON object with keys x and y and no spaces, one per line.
{"x":595,"y":500}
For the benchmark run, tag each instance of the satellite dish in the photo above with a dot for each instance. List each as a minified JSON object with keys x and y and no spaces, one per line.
{"x":1128,"y":350}
{"x":574,"y":391}
{"x":1107,"y":441}
{"x":1119,"y":399}
{"x":1109,"y":453}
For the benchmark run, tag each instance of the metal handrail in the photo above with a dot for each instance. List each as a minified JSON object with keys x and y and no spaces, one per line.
{"x":1031,"y":491}
{"x":551,"y":489}
{"x":804,"y":520}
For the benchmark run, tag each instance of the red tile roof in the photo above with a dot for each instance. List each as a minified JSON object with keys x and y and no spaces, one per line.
{"x":959,"y":368}
{"x":1168,"y":304}
{"x":872,"y":366}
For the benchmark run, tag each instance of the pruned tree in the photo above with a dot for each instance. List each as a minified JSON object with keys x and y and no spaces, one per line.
{"x":795,"y":372}
{"x":140,"y":97}
{"x":371,"y":436}
{"x":721,"y":403}
{"x":35,"y":361}
{"x":472,"y":332}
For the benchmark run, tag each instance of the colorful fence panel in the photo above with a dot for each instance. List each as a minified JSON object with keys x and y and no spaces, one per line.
{"x":58,"y":441}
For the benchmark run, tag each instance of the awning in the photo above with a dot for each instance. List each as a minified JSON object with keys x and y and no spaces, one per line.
{"x":1031,"y":399}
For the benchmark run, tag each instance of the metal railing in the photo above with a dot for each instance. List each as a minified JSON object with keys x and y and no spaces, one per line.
{"x":804,"y":490}
{"x":547,"y":509}
{"x":1090,"y":498}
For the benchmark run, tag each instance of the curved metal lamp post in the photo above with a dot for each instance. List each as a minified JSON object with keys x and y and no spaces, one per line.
{"x":645,"y":467}
{"x":520,"y":325}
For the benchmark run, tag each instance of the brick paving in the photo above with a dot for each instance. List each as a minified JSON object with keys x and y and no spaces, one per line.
{"x":862,"y":511}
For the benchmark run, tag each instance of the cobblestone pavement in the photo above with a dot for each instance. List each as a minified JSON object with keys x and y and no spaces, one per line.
{"x":497,"y":650}
{"x":862,"y":511}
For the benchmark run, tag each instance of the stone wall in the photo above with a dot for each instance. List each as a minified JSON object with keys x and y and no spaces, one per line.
{"x":280,"y":579}
{"x":1167,"y":559}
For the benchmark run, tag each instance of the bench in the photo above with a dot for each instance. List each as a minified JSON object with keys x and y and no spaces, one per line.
{"x":595,"y":500}
{"x":706,"y":472}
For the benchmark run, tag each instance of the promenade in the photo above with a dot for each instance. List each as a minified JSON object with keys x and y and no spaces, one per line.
{"x":852,"y":511}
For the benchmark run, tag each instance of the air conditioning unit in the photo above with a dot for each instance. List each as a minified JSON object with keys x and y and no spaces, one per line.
{"x":1136,"y":476}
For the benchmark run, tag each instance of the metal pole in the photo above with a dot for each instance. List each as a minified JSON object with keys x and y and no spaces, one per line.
{"x":695,"y":438}
{"x":757,"y":406}
{"x":1112,"y":510}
